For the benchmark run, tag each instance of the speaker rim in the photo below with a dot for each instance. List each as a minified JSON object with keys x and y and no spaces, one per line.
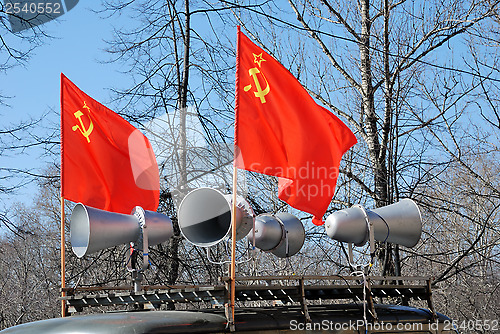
{"x":204,"y":244}
{"x":281,"y":216}
{"x":75,"y":234}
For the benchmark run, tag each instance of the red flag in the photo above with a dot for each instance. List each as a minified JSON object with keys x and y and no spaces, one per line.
{"x":281,"y":131}
{"x":106,"y":163}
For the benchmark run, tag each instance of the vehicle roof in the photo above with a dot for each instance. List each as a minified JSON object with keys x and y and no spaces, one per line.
{"x":214,"y":320}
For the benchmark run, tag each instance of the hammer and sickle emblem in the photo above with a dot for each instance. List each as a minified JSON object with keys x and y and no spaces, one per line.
{"x":260,"y":93}
{"x":84,"y":131}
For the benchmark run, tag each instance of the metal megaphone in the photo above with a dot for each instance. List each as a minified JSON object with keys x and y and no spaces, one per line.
{"x":281,"y":234}
{"x":92,"y":229}
{"x":205,"y":217}
{"x":398,"y":223}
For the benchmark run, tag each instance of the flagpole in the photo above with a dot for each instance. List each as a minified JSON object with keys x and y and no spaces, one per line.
{"x":232,"y":270}
{"x":63,"y":218}
{"x":233,"y":244}
{"x":63,"y":260}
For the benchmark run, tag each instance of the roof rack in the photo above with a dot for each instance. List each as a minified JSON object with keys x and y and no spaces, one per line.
{"x":280,"y":289}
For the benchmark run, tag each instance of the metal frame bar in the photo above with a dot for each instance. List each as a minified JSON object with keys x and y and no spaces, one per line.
{"x":305,"y":289}
{"x":303,"y":301}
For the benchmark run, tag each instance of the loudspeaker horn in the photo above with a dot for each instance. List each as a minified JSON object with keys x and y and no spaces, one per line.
{"x":281,"y":234}
{"x":398,"y":223}
{"x":92,"y":229}
{"x":205,"y":217}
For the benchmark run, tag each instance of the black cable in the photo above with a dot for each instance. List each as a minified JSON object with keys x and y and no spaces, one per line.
{"x":388,"y":229}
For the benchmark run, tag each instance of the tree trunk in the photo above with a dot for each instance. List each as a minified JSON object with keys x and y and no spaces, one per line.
{"x":182,"y":105}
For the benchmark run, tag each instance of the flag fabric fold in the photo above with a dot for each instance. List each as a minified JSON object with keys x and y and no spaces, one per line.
{"x":106,"y":163}
{"x":281,"y":131}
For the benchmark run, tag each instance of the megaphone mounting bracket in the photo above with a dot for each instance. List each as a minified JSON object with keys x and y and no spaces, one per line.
{"x":137,"y":274}
{"x":371,"y":238}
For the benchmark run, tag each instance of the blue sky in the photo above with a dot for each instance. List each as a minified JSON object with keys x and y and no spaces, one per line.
{"x":77,"y":51}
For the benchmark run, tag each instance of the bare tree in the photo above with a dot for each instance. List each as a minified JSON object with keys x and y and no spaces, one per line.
{"x":409,"y":79}
{"x":373,"y":61}
{"x":179,"y":76}
{"x":16,"y":49}
{"x":29,"y":262}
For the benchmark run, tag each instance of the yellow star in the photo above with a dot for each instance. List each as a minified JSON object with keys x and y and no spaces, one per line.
{"x":258,"y":58}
